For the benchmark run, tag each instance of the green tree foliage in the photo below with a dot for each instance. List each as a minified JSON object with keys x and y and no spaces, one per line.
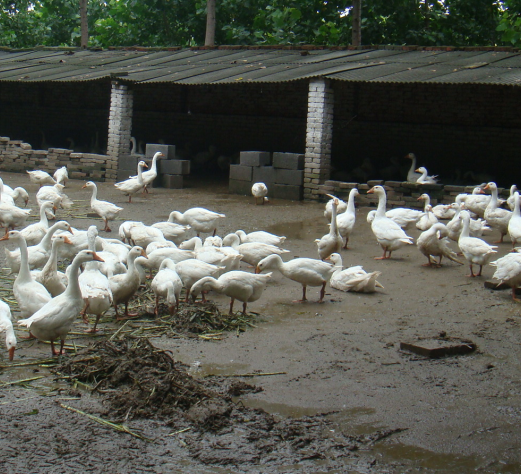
{"x":25,"y":23}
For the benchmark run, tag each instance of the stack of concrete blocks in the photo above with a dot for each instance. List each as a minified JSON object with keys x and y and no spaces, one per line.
{"x":170,"y":171}
{"x":17,"y":156}
{"x":284,"y":176}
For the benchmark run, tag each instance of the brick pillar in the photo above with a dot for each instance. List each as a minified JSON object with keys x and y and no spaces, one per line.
{"x":120,"y":124}
{"x":319,"y":135}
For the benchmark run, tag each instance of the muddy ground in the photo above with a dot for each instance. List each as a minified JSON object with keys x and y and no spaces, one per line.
{"x":339,"y":394}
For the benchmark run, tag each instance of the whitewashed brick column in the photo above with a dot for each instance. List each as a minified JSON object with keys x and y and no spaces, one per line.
{"x":319,"y":135}
{"x":120,"y":123}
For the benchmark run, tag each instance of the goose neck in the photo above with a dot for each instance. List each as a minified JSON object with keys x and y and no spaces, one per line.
{"x":24,"y":273}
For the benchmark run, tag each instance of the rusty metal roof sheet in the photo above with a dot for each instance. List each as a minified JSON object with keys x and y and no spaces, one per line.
{"x":229,"y":65}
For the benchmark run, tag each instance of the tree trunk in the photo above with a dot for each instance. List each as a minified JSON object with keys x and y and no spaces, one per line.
{"x":84,"y":24}
{"x":357,"y":23}
{"x":210,"y":23}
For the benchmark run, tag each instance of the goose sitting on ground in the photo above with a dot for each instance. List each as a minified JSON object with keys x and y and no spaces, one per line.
{"x":428,"y":219}
{"x":495,"y":216}
{"x":252,"y":252}
{"x":475,"y":250}
{"x":132,"y":185}
{"x":433,"y":242}
{"x":125,"y":285}
{"x":508,"y":270}
{"x":168,"y":285}
{"x":424,"y":179}
{"x":243,"y":286}
{"x":55,"y":318}
{"x":306,"y":271}
{"x":388,"y":233}
{"x":61,"y":175}
{"x":346,"y":220}
{"x":6,"y":325}
{"x":106,"y":210}
{"x":332,"y":241}
{"x":353,"y":278}
{"x":261,"y":236}
{"x":412,"y":175}
{"x":341,"y":207}
{"x":514,"y":224}
{"x":41,"y":177}
{"x":259,"y":192}
{"x":200,"y":219}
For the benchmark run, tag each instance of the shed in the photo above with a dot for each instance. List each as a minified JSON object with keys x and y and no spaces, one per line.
{"x":353,"y":113}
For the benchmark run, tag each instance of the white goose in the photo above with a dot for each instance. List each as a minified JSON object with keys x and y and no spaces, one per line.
{"x":106,"y":210}
{"x":55,"y":318}
{"x":53,"y":194}
{"x":495,"y":216}
{"x":243,"y":286}
{"x":306,"y":271}
{"x":172,"y":231}
{"x":41,"y":177}
{"x":38,"y":254}
{"x":387,"y":232}
{"x":341,"y":207}
{"x":54,"y":281}
{"x":149,"y":176}
{"x":252,"y":252}
{"x":412,"y":175}
{"x":6,"y":325}
{"x":511,"y":200}
{"x":475,"y":250}
{"x":440,"y":211}
{"x":433,"y":243}
{"x":15,"y":194}
{"x":229,"y":259}
{"x":11,"y":216}
{"x":514,"y":224}
{"x":199,"y":218}
{"x":476,"y":202}
{"x":261,"y":236}
{"x":332,"y":241}
{"x":132,"y":185}
{"x":61,"y":175}
{"x":424,"y":178}
{"x":94,"y":285}
{"x":403,"y":216}
{"x":167,"y":284}
{"x":125,"y":285}
{"x":454,"y":226}
{"x":30,"y":294}
{"x":191,"y":270}
{"x":352,"y":278}
{"x":34,"y":233}
{"x":259,"y":191}
{"x":346,"y":220}
{"x":428,"y":219}
{"x":508,"y":270}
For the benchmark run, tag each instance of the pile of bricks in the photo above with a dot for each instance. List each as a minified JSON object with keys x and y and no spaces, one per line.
{"x":170,"y":171}
{"x":399,"y":193}
{"x":17,"y":156}
{"x":283,"y":174}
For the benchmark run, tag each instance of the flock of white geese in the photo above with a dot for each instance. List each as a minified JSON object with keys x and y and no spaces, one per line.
{"x":107,"y":272}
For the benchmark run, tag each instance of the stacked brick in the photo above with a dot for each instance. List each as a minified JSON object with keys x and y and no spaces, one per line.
{"x":283,"y":174}
{"x":18,"y":156}
{"x":399,"y":194}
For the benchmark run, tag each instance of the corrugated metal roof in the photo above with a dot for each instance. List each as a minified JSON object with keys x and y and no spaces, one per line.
{"x":228,"y":65}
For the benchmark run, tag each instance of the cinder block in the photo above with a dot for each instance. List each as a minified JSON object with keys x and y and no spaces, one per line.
{"x":291,"y":177}
{"x":288,"y":161}
{"x":237,"y":186}
{"x":255,"y":158}
{"x":153,"y":148}
{"x":284,"y":191}
{"x":122,"y":175}
{"x":128,"y":162}
{"x":174,"y":166}
{"x":241,"y":172}
{"x":173,"y":181}
{"x":264,"y":174}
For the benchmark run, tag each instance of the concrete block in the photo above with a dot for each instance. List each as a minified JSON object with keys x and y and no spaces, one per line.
{"x":153,"y":148}
{"x":122,"y":175}
{"x":241,"y":172}
{"x":264,"y":174}
{"x":174,"y":166}
{"x":289,"y":161}
{"x":255,"y":158}
{"x":237,"y":186}
{"x":128,"y":163}
{"x":291,"y":177}
{"x":172,"y":181}
{"x":284,"y":191}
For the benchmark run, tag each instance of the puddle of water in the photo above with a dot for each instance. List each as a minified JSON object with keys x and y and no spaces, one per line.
{"x":202,"y":369}
{"x":299,"y":230}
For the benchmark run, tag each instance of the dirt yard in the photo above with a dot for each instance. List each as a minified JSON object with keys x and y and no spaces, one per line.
{"x":293,"y":388}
